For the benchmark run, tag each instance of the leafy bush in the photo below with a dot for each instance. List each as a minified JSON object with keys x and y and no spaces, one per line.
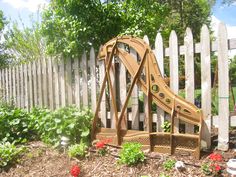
{"x":169,"y":164}
{"x":9,"y":153}
{"x":131,"y":153}
{"x":67,"y":121}
{"x":14,"y":124}
{"x":166,"y":126}
{"x":77,"y":150}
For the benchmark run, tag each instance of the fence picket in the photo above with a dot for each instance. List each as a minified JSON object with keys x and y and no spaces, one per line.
{"x":31,"y":97}
{"x":134,"y":96}
{"x":35,"y":86}
{"x":45,"y":83}
{"x":77,"y":82}
{"x":13,"y":84}
{"x":18,"y":86}
{"x":84,"y":67}
{"x":7,"y":85}
{"x":206,"y":85}
{"x":56,"y":83}
{"x":69,"y":82}
{"x":62,"y":83}
{"x":39,"y":83}
{"x":10,"y":85}
{"x":223,"y":72}
{"x":159,"y":53}
{"x":93,"y":77}
{"x":26,"y":94}
{"x":189,"y":73}
{"x":22,"y":86}
{"x":174,"y":69}
{"x":3,"y":85}
{"x":50,"y":84}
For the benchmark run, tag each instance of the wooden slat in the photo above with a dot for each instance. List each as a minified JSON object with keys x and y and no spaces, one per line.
{"x":159,"y":53}
{"x":18,"y":101}
{"x":123,"y":91}
{"x":112,"y":76}
{"x":62,"y":83}
{"x":189,"y":73}
{"x":56,"y":83}
{"x":10,"y":85}
{"x":22,"y":86}
{"x":77,"y":82}
{"x":35,"y":86}
{"x":223,"y":73}
{"x":45,"y":83}
{"x":7,"y":85}
{"x":50,"y":84}
{"x":31,"y":97}
{"x":69,"y":82}
{"x":103,"y":102}
{"x":93,"y":77}
{"x":134,"y":97}
{"x":3,"y":84}
{"x":206,"y":85}
{"x":174,"y":69}
{"x":1,"y":90}
{"x":39,"y":83}
{"x":26,"y":94}
{"x":84,"y":67}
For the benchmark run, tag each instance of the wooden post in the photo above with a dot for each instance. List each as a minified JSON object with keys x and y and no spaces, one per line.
{"x":77,"y":82}
{"x":174,"y":70}
{"x":93,"y":77}
{"x":189,"y":73}
{"x":159,"y":53}
{"x":223,"y":70}
{"x":84,"y":68}
{"x":206,"y":86}
{"x":135,"y":102}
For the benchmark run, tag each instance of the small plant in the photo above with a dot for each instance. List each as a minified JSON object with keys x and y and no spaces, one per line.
{"x":169,"y":164}
{"x":9,"y":153}
{"x":75,"y":171}
{"x":212,"y":167}
{"x":166,"y":126}
{"x":101,"y":146}
{"x":131,"y":153}
{"x":77,"y":150}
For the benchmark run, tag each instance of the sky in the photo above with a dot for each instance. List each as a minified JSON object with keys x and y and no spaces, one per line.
{"x":24,"y":8}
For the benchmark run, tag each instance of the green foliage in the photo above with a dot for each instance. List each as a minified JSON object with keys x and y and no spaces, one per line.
{"x":67,"y":121}
{"x":72,"y":26}
{"x":166,"y":126}
{"x":131,"y":154}
{"x":78,"y":150}
{"x":9,"y":153}
{"x":206,"y":168}
{"x":169,"y":164}
{"x":14,"y":124}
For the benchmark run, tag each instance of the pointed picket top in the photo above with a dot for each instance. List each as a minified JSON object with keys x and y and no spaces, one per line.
{"x":159,"y":52}
{"x":145,"y":38}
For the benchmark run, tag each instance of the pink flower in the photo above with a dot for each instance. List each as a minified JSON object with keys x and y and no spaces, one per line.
{"x":215,"y":157}
{"x":75,"y":171}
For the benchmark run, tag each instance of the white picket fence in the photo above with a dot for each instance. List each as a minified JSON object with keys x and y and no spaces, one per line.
{"x":53,"y":83}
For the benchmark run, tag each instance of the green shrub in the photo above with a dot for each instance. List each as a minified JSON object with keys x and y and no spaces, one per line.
{"x":166,"y":126}
{"x":131,"y":154}
{"x":67,"y":121}
{"x":9,"y":153}
{"x":14,"y":124}
{"x":78,"y":150}
{"x":169,"y":164}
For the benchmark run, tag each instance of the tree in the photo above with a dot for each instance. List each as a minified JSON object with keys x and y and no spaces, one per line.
{"x":72,"y":26}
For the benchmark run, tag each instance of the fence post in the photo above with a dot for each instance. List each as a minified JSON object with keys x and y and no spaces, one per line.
{"x":206,"y":86}
{"x":159,"y":53}
{"x":223,"y":70}
{"x":84,"y":68}
{"x":189,"y":73}
{"x":93,"y":77}
{"x":174,"y":69}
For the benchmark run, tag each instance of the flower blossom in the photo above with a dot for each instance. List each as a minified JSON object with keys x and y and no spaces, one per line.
{"x":75,"y":171}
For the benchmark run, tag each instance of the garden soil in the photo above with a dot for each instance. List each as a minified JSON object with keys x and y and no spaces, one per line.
{"x":43,"y":161}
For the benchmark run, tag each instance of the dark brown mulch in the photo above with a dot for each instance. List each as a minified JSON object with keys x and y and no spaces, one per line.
{"x":43,"y":161}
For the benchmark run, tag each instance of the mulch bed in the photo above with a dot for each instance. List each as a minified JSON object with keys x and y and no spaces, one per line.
{"x":43,"y":161}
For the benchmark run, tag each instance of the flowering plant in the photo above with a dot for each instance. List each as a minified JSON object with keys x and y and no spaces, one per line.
{"x":75,"y":171}
{"x":101,"y":146}
{"x":213,"y":167}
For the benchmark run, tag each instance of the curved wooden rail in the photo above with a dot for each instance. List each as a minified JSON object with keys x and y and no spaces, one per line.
{"x":154,"y":86}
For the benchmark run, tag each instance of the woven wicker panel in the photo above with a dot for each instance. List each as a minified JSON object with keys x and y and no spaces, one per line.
{"x":185,"y":143}
{"x":161,"y":140}
{"x":144,"y":140}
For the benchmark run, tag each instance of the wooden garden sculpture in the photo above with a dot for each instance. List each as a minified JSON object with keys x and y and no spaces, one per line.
{"x":147,"y":76}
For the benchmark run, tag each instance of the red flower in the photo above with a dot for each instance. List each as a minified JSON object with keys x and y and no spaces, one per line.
{"x":217,"y":167}
{"x":75,"y":171}
{"x":215,"y":157}
{"x":100,"y":145}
